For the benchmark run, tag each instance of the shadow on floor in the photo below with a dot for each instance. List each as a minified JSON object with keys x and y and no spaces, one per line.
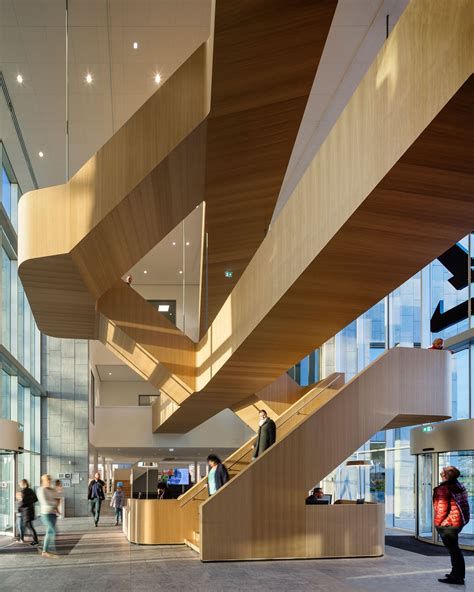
{"x":65,"y":543}
{"x":410,"y":543}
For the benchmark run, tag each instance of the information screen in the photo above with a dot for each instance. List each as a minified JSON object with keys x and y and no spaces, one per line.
{"x":179,"y":477}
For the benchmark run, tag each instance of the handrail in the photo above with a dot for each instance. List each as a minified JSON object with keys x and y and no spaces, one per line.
{"x":285,"y":417}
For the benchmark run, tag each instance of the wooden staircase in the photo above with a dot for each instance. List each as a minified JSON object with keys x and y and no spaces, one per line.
{"x":314,"y":397}
{"x":263,"y":507}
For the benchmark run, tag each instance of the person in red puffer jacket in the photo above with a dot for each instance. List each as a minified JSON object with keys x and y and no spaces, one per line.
{"x":451,"y":514}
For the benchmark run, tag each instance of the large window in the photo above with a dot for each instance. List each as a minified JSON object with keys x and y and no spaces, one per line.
{"x":437,"y":301}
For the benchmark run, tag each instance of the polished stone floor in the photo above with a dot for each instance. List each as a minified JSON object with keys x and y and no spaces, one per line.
{"x":102,"y":559}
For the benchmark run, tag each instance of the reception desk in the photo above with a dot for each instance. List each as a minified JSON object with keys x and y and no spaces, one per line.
{"x":339,"y":530}
{"x":153,"y":522}
{"x":321,"y":531}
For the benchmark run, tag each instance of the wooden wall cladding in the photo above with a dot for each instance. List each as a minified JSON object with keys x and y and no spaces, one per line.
{"x":150,"y":175}
{"x":264,"y":524}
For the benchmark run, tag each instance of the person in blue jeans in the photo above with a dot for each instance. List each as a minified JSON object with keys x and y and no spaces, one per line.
{"x":117,"y":502}
{"x":49,"y":510}
{"x":96,"y":496}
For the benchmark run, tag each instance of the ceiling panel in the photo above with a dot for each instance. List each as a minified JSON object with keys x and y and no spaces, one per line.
{"x":117,"y":373}
{"x":39,"y":13}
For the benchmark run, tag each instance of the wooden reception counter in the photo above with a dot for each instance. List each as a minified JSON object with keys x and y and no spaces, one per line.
{"x":153,"y":522}
{"x":340,"y":530}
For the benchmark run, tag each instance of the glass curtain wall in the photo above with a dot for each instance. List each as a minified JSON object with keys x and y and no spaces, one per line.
{"x":20,"y":371}
{"x":436,"y":302}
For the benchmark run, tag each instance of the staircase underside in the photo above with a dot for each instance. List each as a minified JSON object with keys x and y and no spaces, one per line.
{"x":389,"y":190}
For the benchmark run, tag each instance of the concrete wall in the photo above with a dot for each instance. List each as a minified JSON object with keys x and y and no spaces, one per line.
{"x":64,"y":417}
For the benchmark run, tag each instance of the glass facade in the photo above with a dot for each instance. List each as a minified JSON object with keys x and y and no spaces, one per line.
{"x":20,"y":352}
{"x":436,"y":302}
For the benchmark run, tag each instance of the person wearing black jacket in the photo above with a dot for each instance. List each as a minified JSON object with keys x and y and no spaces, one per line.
{"x":96,"y":496}
{"x":26,"y":509}
{"x":163,"y":491}
{"x":217,"y":476}
{"x":266,"y":434}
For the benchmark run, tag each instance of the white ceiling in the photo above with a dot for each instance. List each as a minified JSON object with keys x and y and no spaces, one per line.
{"x":101,"y":34}
{"x":117,"y":373}
{"x":173,"y":254}
{"x":132,"y":455}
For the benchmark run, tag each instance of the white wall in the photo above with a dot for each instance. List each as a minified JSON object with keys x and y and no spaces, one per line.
{"x":175,"y":292}
{"x":131,"y":427}
{"x":124,"y":393}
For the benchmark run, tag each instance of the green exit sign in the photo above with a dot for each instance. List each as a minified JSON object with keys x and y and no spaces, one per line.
{"x":428,"y":429}
{"x":228,"y":274}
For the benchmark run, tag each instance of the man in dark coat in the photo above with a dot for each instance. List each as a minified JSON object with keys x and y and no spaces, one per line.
{"x":26,"y":509}
{"x":96,"y":496}
{"x":266,"y":433}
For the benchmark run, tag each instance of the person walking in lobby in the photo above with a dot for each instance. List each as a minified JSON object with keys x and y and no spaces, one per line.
{"x":217,"y":476}
{"x":96,"y":496}
{"x":26,"y":508}
{"x":451,"y":514}
{"x":117,"y":502}
{"x":48,"y":500}
{"x":266,"y":433}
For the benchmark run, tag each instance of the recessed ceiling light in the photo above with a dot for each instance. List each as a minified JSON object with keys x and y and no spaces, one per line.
{"x":135,"y":45}
{"x":145,"y":271}
{"x":157,"y":78}
{"x":110,"y":373}
{"x":180,"y":271}
{"x":171,"y":449}
{"x":174,"y":243}
{"x":19,"y":79}
{"x":89,"y":78}
{"x":187,"y":243}
{"x":163,"y":307}
{"x":40,"y":154}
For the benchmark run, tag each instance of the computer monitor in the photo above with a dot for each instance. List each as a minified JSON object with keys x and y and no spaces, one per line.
{"x":327,"y":497}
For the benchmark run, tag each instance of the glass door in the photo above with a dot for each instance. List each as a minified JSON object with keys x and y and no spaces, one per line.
{"x":7,"y":492}
{"x":425,"y":492}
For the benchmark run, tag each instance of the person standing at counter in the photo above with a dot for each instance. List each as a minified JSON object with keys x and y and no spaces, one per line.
{"x":451,"y":514}
{"x":217,"y":476}
{"x":163,"y":491}
{"x":315,"y":498}
{"x":96,"y":496}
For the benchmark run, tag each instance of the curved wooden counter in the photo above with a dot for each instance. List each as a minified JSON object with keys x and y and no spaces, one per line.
{"x":153,"y":522}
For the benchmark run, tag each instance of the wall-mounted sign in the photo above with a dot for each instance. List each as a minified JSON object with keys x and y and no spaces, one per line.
{"x":457,"y":261}
{"x":67,"y":475}
{"x":3,"y":484}
{"x":66,"y":482}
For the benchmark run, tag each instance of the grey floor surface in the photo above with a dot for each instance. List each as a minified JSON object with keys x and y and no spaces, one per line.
{"x":102,"y":559}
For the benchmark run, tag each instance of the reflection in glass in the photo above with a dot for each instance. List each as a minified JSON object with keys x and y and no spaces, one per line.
{"x":464,"y":461}
{"x":425,"y":492}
